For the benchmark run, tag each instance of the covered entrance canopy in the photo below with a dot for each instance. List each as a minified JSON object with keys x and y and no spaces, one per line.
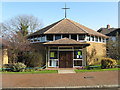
{"x":65,"y":53}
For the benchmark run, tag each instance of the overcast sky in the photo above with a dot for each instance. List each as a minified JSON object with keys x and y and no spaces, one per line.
{"x":91,"y":14}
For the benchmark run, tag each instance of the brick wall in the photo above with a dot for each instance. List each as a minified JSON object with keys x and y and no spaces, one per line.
{"x":95,"y":51}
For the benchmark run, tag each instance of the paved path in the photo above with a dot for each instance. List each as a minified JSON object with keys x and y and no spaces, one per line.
{"x":61,"y":80}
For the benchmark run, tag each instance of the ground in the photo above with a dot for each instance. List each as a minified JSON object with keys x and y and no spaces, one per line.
{"x":76,"y":80}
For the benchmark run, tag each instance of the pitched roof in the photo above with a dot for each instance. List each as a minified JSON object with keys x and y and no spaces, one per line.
{"x":66,"y":26}
{"x":66,"y":41}
{"x":113,"y":33}
{"x":106,"y":31}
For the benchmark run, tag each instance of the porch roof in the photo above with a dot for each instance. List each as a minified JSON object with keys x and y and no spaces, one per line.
{"x":66,"y":42}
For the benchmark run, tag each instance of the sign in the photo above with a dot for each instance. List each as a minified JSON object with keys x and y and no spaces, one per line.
{"x":79,"y":53}
{"x":51,"y":54}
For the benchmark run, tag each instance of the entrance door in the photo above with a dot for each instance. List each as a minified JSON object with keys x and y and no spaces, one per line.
{"x":66,"y":59}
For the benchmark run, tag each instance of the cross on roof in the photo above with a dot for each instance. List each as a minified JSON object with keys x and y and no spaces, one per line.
{"x":65,"y":10}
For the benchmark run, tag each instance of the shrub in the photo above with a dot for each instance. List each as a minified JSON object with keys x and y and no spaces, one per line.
{"x":14,"y":67}
{"x":108,"y":63}
{"x":33,"y":59}
{"x":18,"y":67}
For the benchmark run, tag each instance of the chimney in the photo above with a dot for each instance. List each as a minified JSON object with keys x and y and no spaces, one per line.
{"x":108,"y":26}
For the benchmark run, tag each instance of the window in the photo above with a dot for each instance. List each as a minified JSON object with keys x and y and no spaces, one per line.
{"x":49,"y":37}
{"x":65,"y":47}
{"x":96,"y":39}
{"x":65,"y":35}
{"x":57,"y":37}
{"x":77,"y":47}
{"x":39,"y":38}
{"x":42,"y":38}
{"x":53,"y":63}
{"x":88,"y":38}
{"x":53,"y":55}
{"x":53,"y":47}
{"x":92,"y":38}
{"x":32,"y":40}
{"x":104,"y":40}
{"x":113,"y":38}
{"x":81,"y":37}
{"x":77,"y":54}
{"x":53,"y":59}
{"x":74,"y":36}
{"x":77,"y":62}
{"x":99,"y":39}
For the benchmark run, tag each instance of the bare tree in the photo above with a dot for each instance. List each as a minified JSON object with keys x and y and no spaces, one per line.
{"x":17,"y":44}
{"x":15,"y":32}
{"x":25,"y":24}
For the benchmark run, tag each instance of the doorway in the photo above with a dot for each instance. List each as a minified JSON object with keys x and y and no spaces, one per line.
{"x":65,"y":59}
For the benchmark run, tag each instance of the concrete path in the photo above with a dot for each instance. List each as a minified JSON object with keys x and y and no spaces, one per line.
{"x":76,"y":80}
{"x":66,"y":71}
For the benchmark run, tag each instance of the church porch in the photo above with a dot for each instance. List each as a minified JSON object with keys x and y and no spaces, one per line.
{"x":65,"y":53}
{"x":65,"y":57}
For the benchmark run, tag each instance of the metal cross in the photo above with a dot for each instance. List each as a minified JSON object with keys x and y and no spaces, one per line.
{"x":65,"y":10}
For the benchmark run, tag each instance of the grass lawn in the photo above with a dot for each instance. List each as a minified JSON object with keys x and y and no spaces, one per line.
{"x":96,"y":70}
{"x":56,"y":71}
{"x":31,"y":72}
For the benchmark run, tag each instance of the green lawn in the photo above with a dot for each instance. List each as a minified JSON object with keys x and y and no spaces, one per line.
{"x":56,"y":71}
{"x":96,"y":70}
{"x":32,"y":72}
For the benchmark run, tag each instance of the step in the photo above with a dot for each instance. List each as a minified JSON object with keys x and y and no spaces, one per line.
{"x":66,"y":71}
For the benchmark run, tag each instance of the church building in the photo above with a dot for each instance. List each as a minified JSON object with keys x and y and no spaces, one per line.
{"x":69,"y":44}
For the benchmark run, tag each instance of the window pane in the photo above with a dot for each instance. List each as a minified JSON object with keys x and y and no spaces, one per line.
{"x":92,"y":38}
{"x":49,"y":37}
{"x":77,"y":54}
{"x":65,"y":35}
{"x":50,"y":63}
{"x":99,"y":39}
{"x":88,"y":38}
{"x":53,"y":47}
{"x":73,"y":36}
{"x":53,"y":55}
{"x":57,"y":63}
{"x":57,"y":37}
{"x":96,"y":39}
{"x":53,"y":63}
{"x":77,"y":47}
{"x":81,"y":37}
{"x":42,"y":38}
{"x":77,"y":62}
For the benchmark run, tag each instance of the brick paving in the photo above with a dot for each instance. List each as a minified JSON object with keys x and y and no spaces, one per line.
{"x":60,"y":80}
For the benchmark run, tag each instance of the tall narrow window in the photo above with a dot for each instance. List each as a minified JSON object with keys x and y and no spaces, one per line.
{"x":81,"y":37}
{"x":96,"y":39}
{"x":77,"y":54}
{"x":74,"y":36}
{"x":53,"y":55}
{"x":77,"y":62}
{"x":99,"y":39}
{"x":57,"y":37}
{"x":42,"y":38}
{"x":88,"y":38}
{"x":49,"y":37}
{"x":92,"y":38}
{"x":39,"y":38}
{"x":65,"y":35}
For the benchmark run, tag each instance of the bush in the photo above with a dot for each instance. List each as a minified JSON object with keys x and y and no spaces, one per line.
{"x":18,"y":67}
{"x":108,"y":63}
{"x":33,"y":59}
{"x":14,"y":67}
